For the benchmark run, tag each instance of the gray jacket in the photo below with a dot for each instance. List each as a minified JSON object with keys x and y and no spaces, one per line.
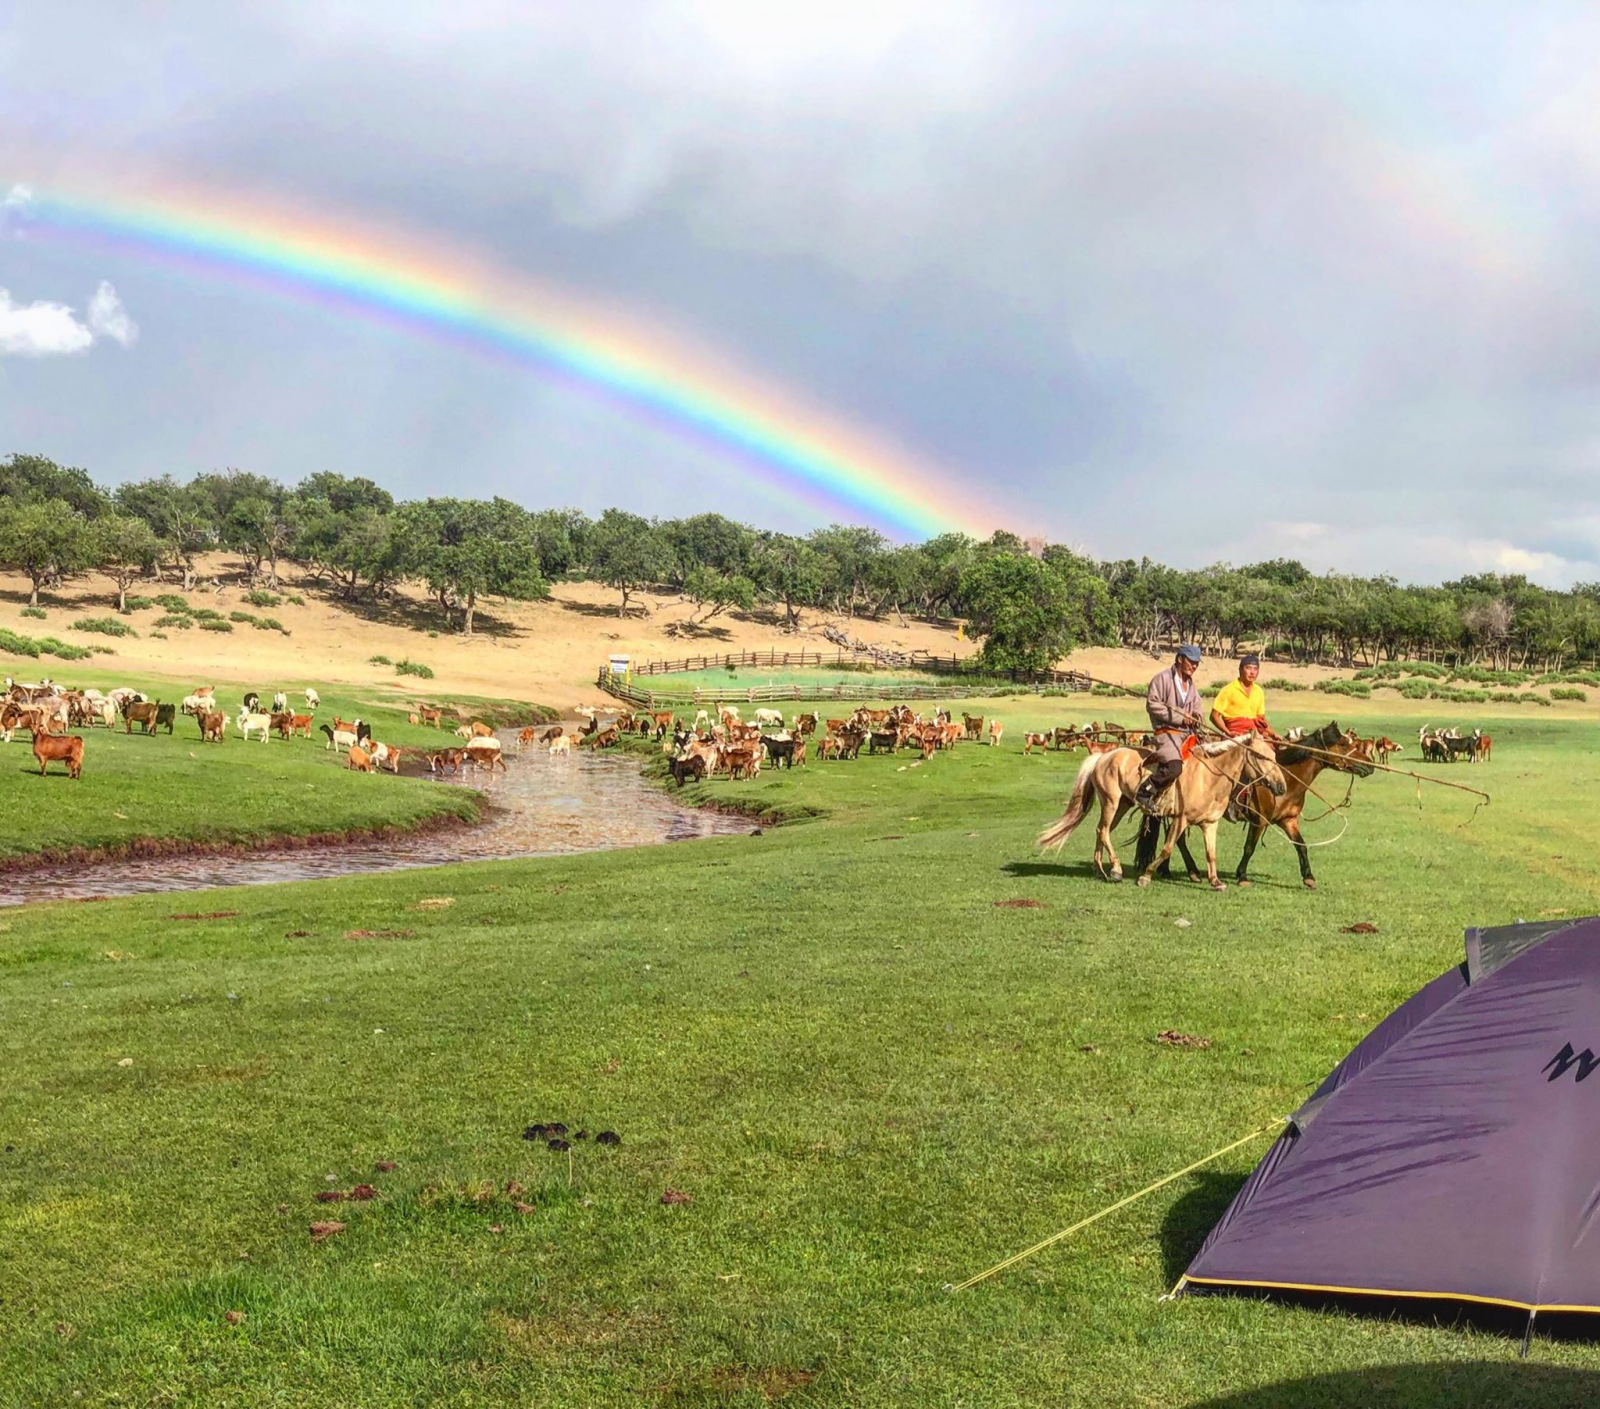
{"x":1170,"y":698}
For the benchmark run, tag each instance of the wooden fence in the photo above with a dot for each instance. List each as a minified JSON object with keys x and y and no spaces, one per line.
{"x":915,"y":661}
{"x":765,"y":694}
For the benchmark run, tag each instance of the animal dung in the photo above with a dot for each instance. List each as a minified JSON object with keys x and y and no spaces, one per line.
{"x":558,"y":1145}
{"x":676,"y":1196}
{"x":1169,"y":1037}
{"x":608,"y":1137}
{"x":1360,"y":927}
{"x":330,"y":1196}
{"x":320,"y":1232}
{"x":557,"y":1128}
{"x":362,"y":1193}
{"x":536,"y":1132}
{"x":581,"y":1135}
{"x":383,"y":1166}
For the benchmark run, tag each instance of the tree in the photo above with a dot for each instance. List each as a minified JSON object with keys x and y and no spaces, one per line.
{"x":180,"y":516}
{"x":25,"y":478}
{"x":788,"y":571}
{"x":714,"y":592}
{"x":46,"y":539}
{"x":262,"y":529}
{"x":470,"y":548}
{"x":125,"y":549}
{"x":1021,"y":609}
{"x":627,"y":553}
{"x":350,"y":545}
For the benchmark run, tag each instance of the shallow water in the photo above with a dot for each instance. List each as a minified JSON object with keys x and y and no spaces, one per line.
{"x":539,"y":807}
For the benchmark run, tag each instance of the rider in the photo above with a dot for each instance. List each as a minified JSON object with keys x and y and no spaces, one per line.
{"x":1240,"y":706}
{"x":1173,"y":704}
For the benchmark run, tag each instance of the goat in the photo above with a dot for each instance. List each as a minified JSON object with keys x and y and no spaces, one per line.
{"x":486,"y":753}
{"x":996,"y":729}
{"x":213,"y":725}
{"x":68,"y":749}
{"x":561,"y":744}
{"x":340,"y":738}
{"x":359,"y":760}
{"x":313,"y":699}
{"x":250,"y":721}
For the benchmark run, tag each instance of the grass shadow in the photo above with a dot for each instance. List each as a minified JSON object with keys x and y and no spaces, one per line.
{"x":1192,"y":1217}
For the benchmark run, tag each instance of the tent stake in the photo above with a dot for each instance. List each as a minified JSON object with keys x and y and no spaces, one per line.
{"x":1527,"y":1335}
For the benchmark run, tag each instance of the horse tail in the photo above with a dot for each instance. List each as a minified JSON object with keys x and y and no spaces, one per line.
{"x":1077,"y":805}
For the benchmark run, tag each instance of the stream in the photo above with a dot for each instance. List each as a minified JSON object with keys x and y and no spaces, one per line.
{"x":541,"y":806}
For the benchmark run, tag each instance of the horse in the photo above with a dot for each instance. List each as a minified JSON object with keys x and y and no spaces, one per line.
{"x":1199,"y":797}
{"x":1300,"y":763}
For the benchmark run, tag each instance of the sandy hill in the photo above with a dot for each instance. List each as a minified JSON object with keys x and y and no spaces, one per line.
{"x":547,"y":652}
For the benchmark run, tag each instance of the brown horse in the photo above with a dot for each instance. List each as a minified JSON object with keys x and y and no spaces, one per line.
{"x":1210,"y":777}
{"x":1300,"y":763}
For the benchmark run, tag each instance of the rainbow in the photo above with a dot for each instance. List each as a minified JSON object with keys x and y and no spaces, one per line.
{"x":447,"y":295}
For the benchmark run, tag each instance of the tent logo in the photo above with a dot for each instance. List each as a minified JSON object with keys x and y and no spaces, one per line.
{"x":1557,"y":1066}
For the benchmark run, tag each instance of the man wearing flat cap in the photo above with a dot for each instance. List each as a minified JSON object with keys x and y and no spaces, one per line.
{"x":1240,"y":707}
{"x":1173,"y":704}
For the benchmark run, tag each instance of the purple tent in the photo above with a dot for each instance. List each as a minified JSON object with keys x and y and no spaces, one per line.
{"x":1454,"y":1154}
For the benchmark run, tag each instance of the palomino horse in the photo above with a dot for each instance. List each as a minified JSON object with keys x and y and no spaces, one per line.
{"x":1300,"y":761}
{"x":1211,"y":775}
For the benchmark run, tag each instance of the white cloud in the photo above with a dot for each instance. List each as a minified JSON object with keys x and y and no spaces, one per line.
{"x":40,"y":329}
{"x":109,"y":319}
{"x":44,"y":329}
{"x":19,"y":197}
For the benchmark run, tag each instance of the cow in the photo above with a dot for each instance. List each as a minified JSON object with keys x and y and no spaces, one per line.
{"x":68,"y":749}
{"x":213,"y":725}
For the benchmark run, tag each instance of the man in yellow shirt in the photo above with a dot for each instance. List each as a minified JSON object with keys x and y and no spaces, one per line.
{"x":1240,"y":706}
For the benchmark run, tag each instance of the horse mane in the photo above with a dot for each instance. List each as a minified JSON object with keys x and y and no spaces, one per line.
{"x":1323,"y":738}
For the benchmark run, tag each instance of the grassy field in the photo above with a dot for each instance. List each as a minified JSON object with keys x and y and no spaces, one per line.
{"x":172,"y":786}
{"x":871,"y":1071}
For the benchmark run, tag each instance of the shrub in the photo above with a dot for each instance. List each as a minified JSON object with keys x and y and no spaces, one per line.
{"x":412,"y":667}
{"x":1283,"y":685}
{"x":263,"y":599}
{"x":16,"y":645}
{"x":140,"y":604}
{"x":37,"y":613}
{"x":183,"y":623}
{"x":1568,"y":692}
{"x":206,"y":614}
{"x":433,"y":635}
{"x":104,"y":626}
{"x":241,"y":616}
{"x":216,"y":623}
{"x":270,"y":623}
{"x":65,"y":650}
{"x":1355,"y":689}
{"x":379,"y":660}
{"x":172,"y":602}
{"x":1415,"y":689}
{"x":158,"y":635}
{"x":296,"y":600}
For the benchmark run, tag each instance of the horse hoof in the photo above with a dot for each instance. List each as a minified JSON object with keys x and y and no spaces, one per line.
{"x":1115,"y":877}
{"x":1219,"y":885}
{"x":1311,"y":882}
{"x":1242,"y":883}
{"x":1144,"y":881}
{"x":1195,"y":877}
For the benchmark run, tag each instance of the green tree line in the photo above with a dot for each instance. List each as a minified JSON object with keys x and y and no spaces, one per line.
{"x":1027,"y":604}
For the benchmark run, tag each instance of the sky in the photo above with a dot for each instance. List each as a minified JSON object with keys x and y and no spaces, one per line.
{"x":1194,"y":281}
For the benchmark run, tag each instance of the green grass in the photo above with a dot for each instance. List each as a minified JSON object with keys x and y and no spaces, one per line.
{"x":13,"y":644}
{"x":871,"y":1077}
{"x":413,"y":667}
{"x":172,"y":786}
{"x":37,"y":613}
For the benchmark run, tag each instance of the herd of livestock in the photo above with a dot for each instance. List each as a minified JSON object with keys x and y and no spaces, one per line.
{"x":47,"y":711}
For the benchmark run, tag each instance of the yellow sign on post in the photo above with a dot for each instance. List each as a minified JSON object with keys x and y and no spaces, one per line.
{"x":961,"y":631}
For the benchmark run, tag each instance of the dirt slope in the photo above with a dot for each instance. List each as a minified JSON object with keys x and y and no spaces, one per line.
{"x":547,"y":652}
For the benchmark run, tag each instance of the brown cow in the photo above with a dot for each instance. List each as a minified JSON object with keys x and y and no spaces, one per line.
{"x":68,"y":748}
